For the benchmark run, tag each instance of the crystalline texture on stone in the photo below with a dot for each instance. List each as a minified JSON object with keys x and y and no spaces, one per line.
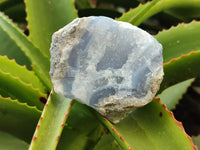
{"x":109,"y":65}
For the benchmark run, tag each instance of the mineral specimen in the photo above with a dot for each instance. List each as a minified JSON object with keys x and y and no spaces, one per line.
{"x":109,"y":65}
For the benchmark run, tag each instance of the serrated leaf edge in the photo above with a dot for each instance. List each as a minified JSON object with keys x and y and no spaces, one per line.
{"x":131,"y":9}
{"x":120,"y":139}
{"x":23,"y":67}
{"x":41,"y":118}
{"x":193,"y":79}
{"x":177,"y":122}
{"x":13,"y":60}
{"x":26,"y":18}
{"x":29,"y":26}
{"x":20,"y":103}
{"x":182,"y":56}
{"x":144,"y":11}
{"x":14,"y":25}
{"x":184,"y":92}
{"x":177,"y":26}
{"x":25,"y":84}
{"x":40,"y":74}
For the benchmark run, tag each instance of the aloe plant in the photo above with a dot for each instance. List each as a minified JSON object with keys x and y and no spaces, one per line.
{"x":33,"y":116}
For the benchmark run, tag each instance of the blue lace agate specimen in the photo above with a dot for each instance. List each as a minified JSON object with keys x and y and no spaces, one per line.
{"x":109,"y":65}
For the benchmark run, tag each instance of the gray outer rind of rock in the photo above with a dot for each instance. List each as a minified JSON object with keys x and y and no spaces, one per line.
{"x":109,"y":65}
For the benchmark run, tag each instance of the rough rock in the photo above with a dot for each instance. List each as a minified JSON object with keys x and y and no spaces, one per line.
{"x":109,"y":65}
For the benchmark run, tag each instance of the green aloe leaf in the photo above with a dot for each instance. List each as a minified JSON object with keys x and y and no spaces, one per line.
{"x":17,"y":118}
{"x":121,"y":141}
{"x":70,"y":138}
{"x":136,"y":17}
{"x":107,"y":142}
{"x":82,"y":127}
{"x":51,"y":123}
{"x":150,"y":127}
{"x":179,"y":40}
{"x":186,"y":13}
{"x":171,"y":96}
{"x":178,"y":50}
{"x":180,"y":69}
{"x":29,"y":77}
{"x":17,"y":89}
{"x":154,"y":8}
{"x":9,"y":142}
{"x":40,"y":63}
{"x":45,"y":17}
{"x":9,"y":48}
{"x":196,"y":140}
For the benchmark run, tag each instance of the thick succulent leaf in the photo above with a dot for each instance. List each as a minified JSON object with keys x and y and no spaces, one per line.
{"x":179,"y":40}
{"x":136,"y":15}
{"x":196,"y":140}
{"x":80,"y":114}
{"x":51,"y":123}
{"x":40,"y":62}
{"x":82,"y":127}
{"x":9,"y":142}
{"x":188,"y":109}
{"x":177,"y":53}
{"x":171,"y":96}
{"x":155,"y":7}
{"x":150,"y":127}
{"x":4,"y":93}
{"x":121,"y":141}
{"x":72,"y":140}
{"x":180,"y":69}
{"x":17,"y":89}
{"x":107,"y":142}
{"x":186,"y":13}
{"x":17,"y":118}
{"x":29,"y":77}
{"x":9,"y":47}
{"x":45,"y":17}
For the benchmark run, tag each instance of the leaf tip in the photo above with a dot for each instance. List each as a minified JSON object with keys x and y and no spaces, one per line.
{"x":178,"y":124}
